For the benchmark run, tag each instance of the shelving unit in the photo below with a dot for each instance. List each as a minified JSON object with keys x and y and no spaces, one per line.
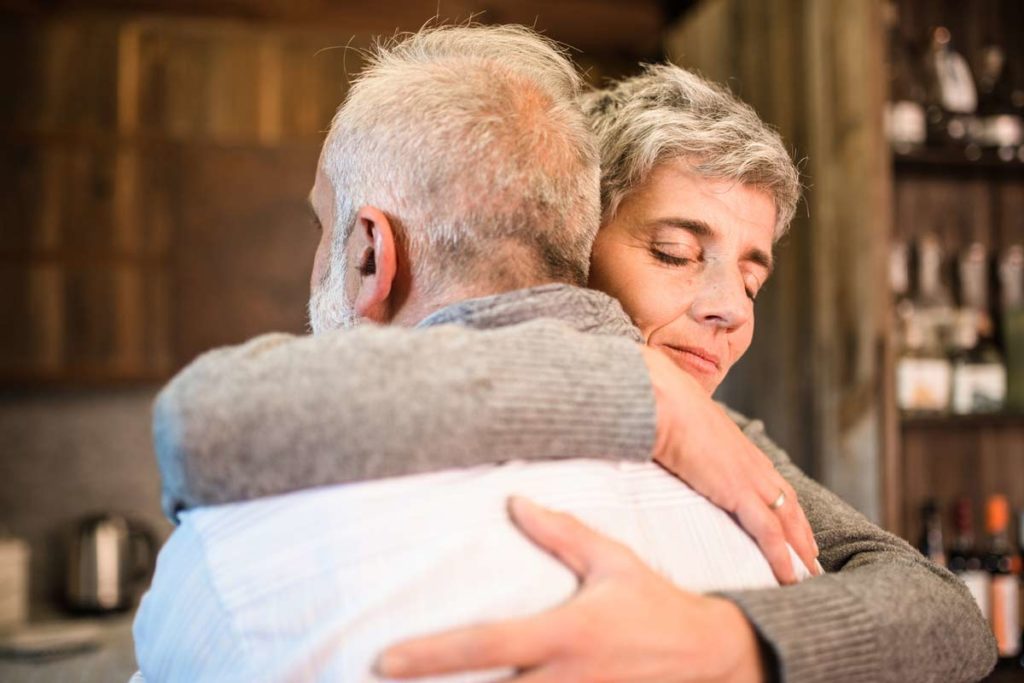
{"x":963,"y":197}
{"x":948,"y":456}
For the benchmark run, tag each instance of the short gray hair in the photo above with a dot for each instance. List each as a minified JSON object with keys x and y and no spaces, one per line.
{"x":668,"y":113}
{"x":472,"y":141}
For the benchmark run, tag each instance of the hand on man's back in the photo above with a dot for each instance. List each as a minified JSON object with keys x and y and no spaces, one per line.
{"x":718,"y":461}
{"x":661,"y":633}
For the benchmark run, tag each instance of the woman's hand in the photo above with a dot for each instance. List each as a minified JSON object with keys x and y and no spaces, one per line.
{"x":626,"y":623}
{"x":701,"y":445}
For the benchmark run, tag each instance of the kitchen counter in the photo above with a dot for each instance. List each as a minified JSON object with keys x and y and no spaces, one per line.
{"x":112,"y":662}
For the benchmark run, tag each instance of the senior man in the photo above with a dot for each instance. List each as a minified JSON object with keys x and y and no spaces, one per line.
{"x":701,"y":639}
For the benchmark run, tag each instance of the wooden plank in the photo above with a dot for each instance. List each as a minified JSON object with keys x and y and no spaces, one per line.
{"x":958,"y":210}
{"x":245,"y":249}
{"x":1009,"y":199}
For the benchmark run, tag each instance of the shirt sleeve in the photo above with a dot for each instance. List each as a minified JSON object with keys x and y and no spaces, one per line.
{"x":883,"y":612}
{"x":282,"y":413}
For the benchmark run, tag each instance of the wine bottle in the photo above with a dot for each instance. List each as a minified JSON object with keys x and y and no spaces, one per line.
{"x":930,"y":544}
{"x":964,"y":559}
{"x":1011,"y":282}
{"x":979,"y":374}
{"x":999,"y":123}
{"x":1004,"y":591}
{"x":953,"y":97}
{"x":905,"y":120}
{"x":923,"y":370}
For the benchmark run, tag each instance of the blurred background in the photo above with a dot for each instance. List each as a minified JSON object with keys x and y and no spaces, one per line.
{"x":155,"y":157}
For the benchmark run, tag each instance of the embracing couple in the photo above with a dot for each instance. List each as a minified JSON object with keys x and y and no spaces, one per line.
{"x":497,"y":456}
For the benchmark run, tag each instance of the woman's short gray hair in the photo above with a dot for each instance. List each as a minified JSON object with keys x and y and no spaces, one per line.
{"x":472,"y":140}
{"x":669,"y":113}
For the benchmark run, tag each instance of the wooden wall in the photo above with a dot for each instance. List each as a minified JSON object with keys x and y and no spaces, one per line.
{"x":161,"y":168}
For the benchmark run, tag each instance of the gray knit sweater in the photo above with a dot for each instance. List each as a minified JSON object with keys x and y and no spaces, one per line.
{"x":548,"y":372}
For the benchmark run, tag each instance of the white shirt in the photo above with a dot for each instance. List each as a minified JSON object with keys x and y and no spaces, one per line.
{"x":314,"y":585}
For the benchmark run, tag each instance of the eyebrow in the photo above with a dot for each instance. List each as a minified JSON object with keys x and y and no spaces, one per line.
{"x":699,"y":228}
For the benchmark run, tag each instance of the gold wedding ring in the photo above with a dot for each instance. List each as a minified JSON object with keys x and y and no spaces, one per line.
{"x":777,"y":503}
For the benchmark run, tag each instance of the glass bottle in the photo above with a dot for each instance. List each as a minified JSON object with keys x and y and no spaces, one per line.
{"x":923,"y":369}
{"x":964,"y":559}
{"x":1011,"y":283}
{"x":999,"y":124}
{"x":979,"y":374}
{"x":931,"y":545}
{"x":952,"y":98}
{"x":1004,"y":589}
{"x":905,"y":120}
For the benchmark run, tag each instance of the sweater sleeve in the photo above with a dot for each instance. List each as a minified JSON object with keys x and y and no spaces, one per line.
{"x":882,"y":613}
{"x":282,"y":413}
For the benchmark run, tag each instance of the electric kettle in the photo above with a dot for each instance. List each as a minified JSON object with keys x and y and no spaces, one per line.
{"x":109,"y":559}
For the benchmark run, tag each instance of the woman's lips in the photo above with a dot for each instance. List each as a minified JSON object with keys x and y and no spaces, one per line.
{"x":696,"y":358}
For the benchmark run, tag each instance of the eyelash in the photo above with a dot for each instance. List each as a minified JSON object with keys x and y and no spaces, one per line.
{"x":670,"y":260}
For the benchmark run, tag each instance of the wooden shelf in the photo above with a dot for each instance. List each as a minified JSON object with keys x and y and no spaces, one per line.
{"x":953,"y":161}
{"x":1008,"y":420}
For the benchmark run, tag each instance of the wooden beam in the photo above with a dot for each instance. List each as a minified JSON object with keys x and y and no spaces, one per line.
{"x":604,"y":27}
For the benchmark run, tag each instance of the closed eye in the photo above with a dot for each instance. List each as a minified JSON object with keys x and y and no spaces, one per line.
{"x":668,"y":259}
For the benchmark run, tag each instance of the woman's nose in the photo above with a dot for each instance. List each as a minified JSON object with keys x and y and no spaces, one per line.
{"x":722,"y":299}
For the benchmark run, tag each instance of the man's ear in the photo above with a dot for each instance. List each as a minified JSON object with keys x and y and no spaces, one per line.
{"x":375,"y":263}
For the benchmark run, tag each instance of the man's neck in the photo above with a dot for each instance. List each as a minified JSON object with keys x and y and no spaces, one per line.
{"x":419,"y":305}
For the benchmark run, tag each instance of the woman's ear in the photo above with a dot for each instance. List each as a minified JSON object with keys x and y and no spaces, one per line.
{"x":375,"y":264}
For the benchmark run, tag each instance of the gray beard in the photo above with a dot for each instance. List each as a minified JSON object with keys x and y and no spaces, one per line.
{"x":330,"y":307}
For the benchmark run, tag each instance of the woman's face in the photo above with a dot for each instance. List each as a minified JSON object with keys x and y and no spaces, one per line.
{"x":686,"y":256}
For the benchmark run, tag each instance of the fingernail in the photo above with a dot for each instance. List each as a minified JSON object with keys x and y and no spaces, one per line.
{"x":390,"y":664}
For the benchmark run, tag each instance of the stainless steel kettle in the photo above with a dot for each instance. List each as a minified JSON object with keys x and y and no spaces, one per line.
{"x":110,"y":557}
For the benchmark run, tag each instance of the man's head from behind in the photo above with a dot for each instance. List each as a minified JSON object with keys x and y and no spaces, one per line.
{"x":459,"y":165}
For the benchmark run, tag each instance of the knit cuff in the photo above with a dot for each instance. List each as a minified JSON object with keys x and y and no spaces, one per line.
{"x":817,"y":630}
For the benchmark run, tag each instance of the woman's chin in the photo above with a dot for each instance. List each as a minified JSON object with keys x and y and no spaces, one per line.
{"x":705,"y":372}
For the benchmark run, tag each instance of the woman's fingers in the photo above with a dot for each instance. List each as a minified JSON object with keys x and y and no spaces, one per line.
{"x":797,"y":530}
{"x":569,"y":540}
{"x":761,"y":523}
{"x":795,"y":527}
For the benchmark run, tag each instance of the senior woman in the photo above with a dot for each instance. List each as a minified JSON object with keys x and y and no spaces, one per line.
{"x":695,"y":192}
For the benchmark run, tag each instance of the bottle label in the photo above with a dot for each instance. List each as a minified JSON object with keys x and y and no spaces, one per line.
{"x":977,"y":583}
{"x":1005,"y":620}
{"x":905,"y":123}
{"x":978,"y":387}
{"x":923,"y":383}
